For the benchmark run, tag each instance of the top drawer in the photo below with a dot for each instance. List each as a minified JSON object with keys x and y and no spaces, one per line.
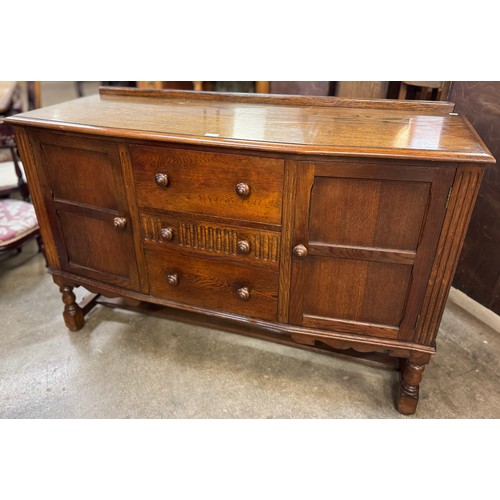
{"x":225,"y":185}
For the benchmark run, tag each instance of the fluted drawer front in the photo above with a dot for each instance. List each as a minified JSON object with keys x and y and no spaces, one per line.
{"x":206,"y":238}
{"x":225,"y":185}
{"x":213,"y":284}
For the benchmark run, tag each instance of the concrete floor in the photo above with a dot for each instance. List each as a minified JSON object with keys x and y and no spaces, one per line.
{"x":127,"y":365}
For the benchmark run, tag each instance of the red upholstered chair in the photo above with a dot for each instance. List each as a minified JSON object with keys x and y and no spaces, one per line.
{"x":18,"y":224}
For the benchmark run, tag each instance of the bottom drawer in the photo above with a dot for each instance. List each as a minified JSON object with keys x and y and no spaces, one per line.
{"x":221,"y":286}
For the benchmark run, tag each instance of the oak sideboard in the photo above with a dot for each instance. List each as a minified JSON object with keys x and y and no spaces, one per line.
{"x":323,"y":222}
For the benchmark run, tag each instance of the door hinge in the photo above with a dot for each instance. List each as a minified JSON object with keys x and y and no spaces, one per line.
{"x":448,"y":197}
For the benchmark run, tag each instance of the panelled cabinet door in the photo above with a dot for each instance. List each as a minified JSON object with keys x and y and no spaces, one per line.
{"x":88,"y":207}
{"x":364,"y":239}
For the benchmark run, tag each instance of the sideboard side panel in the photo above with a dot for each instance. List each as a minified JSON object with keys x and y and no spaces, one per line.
{"x":36,"y":185}
{"x":463,"y":196}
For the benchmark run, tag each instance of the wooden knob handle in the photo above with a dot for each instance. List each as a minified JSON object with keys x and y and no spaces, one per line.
{"x":173,"y":279}
{"x":167,"y":233}
{"x":161,"y":180}
{"x":242,"y":189}
{"x":243,"y":293}
{"x":243,"y":246}
{"x":300,"y":251}
{"x":120,"y":222}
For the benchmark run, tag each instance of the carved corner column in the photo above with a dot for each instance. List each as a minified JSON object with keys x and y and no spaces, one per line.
{"x":73,"y":314}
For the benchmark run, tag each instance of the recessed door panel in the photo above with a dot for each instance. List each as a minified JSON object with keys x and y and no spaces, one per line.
{"x":357,"y":290}
{"x":81,"y":232}
{"x":82,"y":175}
{"x":368,"y":212}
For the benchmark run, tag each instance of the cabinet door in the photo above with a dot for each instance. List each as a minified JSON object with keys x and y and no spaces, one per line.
{"x":88,"y":207}
{"x":364,"y":238}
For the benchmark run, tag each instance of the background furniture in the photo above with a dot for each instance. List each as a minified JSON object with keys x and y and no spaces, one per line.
{"x":311,"y":223}
{"x":365,"y":89}
{"x":426,"y":91}
{"x":361,"y":89}
{"x":11,"y":172}
{"x":350,"y":89}
{"x":258,"y":87}
{"x":18,"y":222}
{"x":7,"y":90}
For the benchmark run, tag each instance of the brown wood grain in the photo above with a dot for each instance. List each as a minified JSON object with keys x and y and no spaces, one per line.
{"x":38,"y":194}
{"x":205,"y":183}
{"x":361,"y":253}
{"x":355,"y":290}
{"x":208,"y":238}
{"x":436,"y":210}
{"x":348,"y":326}
{"x":128,"y":180}
{"x":300,"y":236}
{"x":82,"y":221}
{"x":275,"y":99}
{"x":386,"y":129}
{"x":288,"y":213}
{"x":213,"y":284}
{"x":463,"y":195}
{"x":370,"y":243}
{"x":368,"y":212}
{"x":78,"y":169}
{"x":82,"y":255}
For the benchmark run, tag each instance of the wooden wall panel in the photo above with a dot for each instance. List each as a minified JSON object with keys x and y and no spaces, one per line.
{"x":478,"y":271}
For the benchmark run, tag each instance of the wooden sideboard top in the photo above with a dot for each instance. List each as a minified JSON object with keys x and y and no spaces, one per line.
{"x":291,"y":124}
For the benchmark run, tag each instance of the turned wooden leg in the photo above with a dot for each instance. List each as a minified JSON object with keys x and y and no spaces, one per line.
{"x":73,"y":314}
{"x":411,"y":376}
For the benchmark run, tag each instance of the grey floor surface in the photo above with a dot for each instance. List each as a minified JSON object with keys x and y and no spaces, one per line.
{"x":127,"y":365}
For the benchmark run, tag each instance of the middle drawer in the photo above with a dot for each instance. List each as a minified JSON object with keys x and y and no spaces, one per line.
{"x":204,"y":237}
{"x":213,"y":283}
